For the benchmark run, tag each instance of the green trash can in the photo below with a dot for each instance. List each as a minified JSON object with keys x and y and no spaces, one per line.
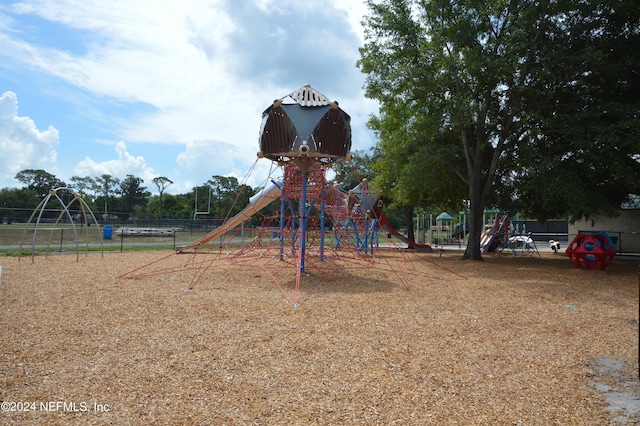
{"x":108,"y":231}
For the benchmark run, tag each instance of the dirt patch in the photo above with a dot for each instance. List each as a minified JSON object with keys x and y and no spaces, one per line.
{"x":619,"y":384}
{"x":518,"y":340}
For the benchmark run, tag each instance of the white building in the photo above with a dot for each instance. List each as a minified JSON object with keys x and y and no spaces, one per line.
{"x":623,"y":229}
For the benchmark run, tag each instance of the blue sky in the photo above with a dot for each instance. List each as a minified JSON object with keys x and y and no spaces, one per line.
{"x":173,"y":88}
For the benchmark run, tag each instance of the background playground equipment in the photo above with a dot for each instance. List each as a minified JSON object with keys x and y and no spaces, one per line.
{"x":441,"y":232}
{"x":319,"y":229}
{"x":502,"y":235}
{"x":78,"y":234}
{"x":591,"y":251}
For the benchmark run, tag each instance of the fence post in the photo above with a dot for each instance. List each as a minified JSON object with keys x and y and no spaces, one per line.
{"x":619,"y":242}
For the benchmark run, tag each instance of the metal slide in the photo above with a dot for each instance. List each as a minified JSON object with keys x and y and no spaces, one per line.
{"x":271,"y":192}
{"x":487,"y":241}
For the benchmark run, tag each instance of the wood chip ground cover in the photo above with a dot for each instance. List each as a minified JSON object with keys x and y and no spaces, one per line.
{"x":517,"y":341}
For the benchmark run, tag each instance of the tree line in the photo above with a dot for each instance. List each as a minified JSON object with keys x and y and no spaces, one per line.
{"x":109,"y":196}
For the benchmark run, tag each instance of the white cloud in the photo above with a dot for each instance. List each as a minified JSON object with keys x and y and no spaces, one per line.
{"x":125,"y":164}
{"x":199,"y":65}
{"x":356,"y":10}
{"x":198,"y":70}
{"x":22,"y":145}
{"x":204,"y":159}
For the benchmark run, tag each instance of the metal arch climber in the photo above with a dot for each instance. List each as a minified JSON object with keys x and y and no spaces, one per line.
{"x":39,"y":210}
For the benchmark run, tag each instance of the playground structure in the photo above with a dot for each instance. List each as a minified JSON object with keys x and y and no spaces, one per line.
{"x":591,"y":251}
{"x":443,"y":232}
{"x":65,"y":212}
{"x":502,"y":235}
{"x":317,"y":229}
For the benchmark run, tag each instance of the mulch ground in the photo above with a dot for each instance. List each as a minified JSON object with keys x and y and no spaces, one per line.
{"x":516,"y":341}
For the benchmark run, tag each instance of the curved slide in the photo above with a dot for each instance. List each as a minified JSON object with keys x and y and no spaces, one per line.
{"x":384,"y":224}
{"x":257,"y":202}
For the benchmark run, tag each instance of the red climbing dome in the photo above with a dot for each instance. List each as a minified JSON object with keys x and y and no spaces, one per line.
{"x":591,"y":251}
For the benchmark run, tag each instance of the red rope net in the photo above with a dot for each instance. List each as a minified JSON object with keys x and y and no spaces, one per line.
{"x":345,"y":243}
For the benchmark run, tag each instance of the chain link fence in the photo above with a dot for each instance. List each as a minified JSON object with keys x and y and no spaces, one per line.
{"x":54,"y":231}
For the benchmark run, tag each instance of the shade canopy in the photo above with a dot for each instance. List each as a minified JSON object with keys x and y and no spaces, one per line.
{"x":444,"y":216}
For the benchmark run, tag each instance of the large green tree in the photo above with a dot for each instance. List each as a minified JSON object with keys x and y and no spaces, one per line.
{"x":173,"y":206}
{"x":407,"y":171}
{"x":348,"y":174}
{"x":225,"y":192}
{"x":473,"y":69}
{"x":162,"y":183}
{"x":583,"y":126}
{"x":84,"y":185}
{"x":133,"y":194}
{"x":17,"y":203}
{"x":39,"y":180}
{"x":106,"y":186}
{"x":244,"y":192}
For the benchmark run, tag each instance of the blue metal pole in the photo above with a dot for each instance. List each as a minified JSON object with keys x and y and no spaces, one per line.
{"x":374,"y":230}
{"x":281,"y":236}
{"x":293,"y":227}
{"x":303,"y":219}
{"x":365,"y":243}
{"x":322,"y":206}
{"x":373,"y":235}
